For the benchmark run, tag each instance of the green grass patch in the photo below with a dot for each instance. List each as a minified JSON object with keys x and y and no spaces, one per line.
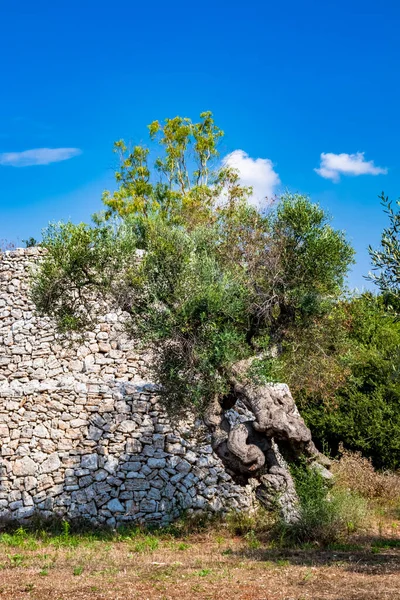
{"x":385,"y":544}
{"x":147,"y":544}
{"x":204,"y":572}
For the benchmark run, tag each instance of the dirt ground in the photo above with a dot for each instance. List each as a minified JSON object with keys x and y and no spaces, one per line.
{"x":206,"y":566}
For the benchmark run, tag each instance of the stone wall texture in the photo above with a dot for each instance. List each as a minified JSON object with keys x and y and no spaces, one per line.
{"x":81,"y":432}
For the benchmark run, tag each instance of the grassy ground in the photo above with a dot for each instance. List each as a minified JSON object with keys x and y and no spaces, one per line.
{"x":211,"y":565}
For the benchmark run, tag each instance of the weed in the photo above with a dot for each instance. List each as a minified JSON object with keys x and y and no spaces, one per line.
{"x":19,"y":539}
{"x":147,"y":544}
{"x":252,"y":541}
{"x":282,"y":563}
{"x":242,"y":523}
{"x":197,"y":588}
{"x":386,"y":543}
{"x":268,"y":564}
{"x":204,"y":572}
{"x":16,"y":560}
{"x":325,"y":515}
{"x":343,"y":547}
{"x":78,"y":571}
{"x":191,"y":524}
{"x":108,"y":571}
{"x":308,"y":575}
{"x":182,"y":546}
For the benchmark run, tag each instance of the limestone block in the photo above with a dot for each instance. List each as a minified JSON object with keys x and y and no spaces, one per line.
{"x":25,"y":466}
{"x":89,"y":461}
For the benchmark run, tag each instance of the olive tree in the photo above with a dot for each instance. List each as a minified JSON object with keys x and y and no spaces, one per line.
{"x":216,"y":289}
{"x":386,"y":259}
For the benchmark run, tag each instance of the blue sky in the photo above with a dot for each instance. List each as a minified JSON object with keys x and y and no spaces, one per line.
{"x":287,"y":81}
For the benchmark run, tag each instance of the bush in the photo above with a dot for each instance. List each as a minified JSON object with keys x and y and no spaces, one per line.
{"x":326,"y":515}
{"x":364,"y":413}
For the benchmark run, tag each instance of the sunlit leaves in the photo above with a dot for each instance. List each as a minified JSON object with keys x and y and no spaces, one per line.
{"x":183,"y":184}
{"x":386,"y":259}
{"x":218,"y":279}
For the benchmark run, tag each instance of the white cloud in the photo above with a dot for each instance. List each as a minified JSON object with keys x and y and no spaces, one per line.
{"x":37,"y":156}
{"x":258,"y":173}
{"x":334,"y":165}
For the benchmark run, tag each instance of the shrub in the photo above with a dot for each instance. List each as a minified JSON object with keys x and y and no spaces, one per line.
{"x":326,"y":515}
{"x":364,"y":413}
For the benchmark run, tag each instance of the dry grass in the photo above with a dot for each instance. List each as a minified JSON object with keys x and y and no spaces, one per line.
{"x":212,"y":565}
{"x":356,"y":473}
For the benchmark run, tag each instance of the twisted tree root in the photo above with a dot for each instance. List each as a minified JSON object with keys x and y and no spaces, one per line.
{"x":252,"y":449}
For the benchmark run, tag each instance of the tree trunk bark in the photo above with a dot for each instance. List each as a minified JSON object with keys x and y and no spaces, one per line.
{"x":257,"y":443}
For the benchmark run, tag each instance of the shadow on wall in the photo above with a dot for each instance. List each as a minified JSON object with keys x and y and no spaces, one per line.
{"x":107,"y":453}
{"x":81,"y":434}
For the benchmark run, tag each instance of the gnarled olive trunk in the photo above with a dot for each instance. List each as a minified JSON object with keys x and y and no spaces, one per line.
{"x":257,"y":443}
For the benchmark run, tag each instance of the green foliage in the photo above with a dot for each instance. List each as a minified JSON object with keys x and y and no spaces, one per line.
{"x":148,"y":543}
{"x":364,"y":413}
{"x":386,"y":260}
{"x":313,"y":357}
{"x":326,"y":515}
{"x":218,"y":281}
{"x":204,"y":297}
{"x":31,"y":242}
{"x":19,"y":539}
{"x":193,"y":308}
{"x":80,"y":260}
{"x":315,"y":257}
{"x":181,"y":186}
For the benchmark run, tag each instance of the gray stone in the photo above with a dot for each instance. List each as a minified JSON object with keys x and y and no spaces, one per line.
{"x":111,"y":464}
{"x":137,"y":484}
{"x":25,"y":512}
{"x":82,"y":433}
{"x":115,"y":506}
{"x":133,"y":446}
{"x":154,"y":494}
{"x":157,"y":463}
{"x":89,"y":461}
{"x":148,"y":506}
{"x":183,"y":466}
{"x":30,"y":483}
{"x":24,"y":466}
{"x":41,"y":432}
{"x":51,"y":464}
{"x":191,"y":456}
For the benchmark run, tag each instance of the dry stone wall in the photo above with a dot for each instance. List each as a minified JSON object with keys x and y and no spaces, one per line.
{"x":81,"y":431}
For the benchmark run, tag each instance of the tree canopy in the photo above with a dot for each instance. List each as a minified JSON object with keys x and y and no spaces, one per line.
{"x":218,"y":280}
{"x":364,"y":412}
